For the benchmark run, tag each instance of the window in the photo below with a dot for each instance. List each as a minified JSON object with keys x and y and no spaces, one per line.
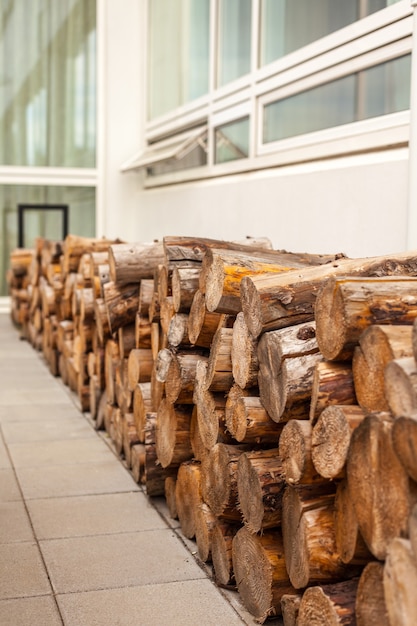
{"x":375,"y":91}
{"x":232,"y":141}
{"x":234,"y":40}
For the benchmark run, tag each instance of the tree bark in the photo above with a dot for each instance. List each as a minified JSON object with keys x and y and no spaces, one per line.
{"x":248,"y":422}
{"x":331,"y":439}
{"x":378,"y":484}
{"x":332,"y":384}
{"x":194,"y":248}
{"x":121,"y":303}
{"x":179,"y":383}
{"x":130,"y":262}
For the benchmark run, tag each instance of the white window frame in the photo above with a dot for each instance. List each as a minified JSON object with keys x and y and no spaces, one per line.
{"x":374,"y":39}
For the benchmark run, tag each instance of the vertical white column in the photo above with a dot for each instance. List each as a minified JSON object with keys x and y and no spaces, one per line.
{"x":101,"y":111}
{"x":412,"y":184}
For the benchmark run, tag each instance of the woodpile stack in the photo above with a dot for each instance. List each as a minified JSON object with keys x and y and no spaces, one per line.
{"x":270,"y":396}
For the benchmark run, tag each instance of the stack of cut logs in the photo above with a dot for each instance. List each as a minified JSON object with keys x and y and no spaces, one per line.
{"x":270,"y":396}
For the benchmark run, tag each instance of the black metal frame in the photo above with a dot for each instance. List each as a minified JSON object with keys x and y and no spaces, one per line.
{"x":43,"y":207}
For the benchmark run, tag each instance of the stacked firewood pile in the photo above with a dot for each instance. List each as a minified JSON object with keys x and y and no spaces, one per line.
{"x":270,"y":396}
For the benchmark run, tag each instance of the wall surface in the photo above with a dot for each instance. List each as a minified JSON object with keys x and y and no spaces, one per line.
{"x":355,"y":205}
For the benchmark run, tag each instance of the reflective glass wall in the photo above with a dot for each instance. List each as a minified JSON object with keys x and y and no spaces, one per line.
{"x":48,"y":82}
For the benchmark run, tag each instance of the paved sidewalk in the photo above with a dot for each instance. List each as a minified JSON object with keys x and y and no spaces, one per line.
{"x":80,"y":543}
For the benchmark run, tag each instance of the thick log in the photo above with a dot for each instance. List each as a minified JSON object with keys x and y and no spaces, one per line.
{"x":370,"y":605}
{"x":146,"y":290}
{"x":157,"y":389}
{"x":95,"y":393}
{"x":130,"y":262}
{"x":211,"y":410}
{"x":347,"y":306}
{"x":179,"y":383}
{"x":260,"y":572}
{"x":329,"y":604}
{"x":96,"y":260}
{"x":309,"y":537}
{"x":404,"y":438}
{"x":221,"y":553}
{"x":111,"y":360}
{"x":173,"y":445}
{"x":260,"y":485}
{"x":130,"y":437}
{"x":378,"y":484}
{"x":194,"y":248}
{"x":101,"y":320}
{"x":248,"y":422}
{"x":155,"y":474}
{"x":401,"y":386}
{"x":221,"y":495}
{"x":331,"y":438}
{"x":185,"y":281}
{"x":205,"y":523}
{"x":103,"y":276}
{"x":142,"y":404}
{"x":167,"y":315}
{"x":400,"y":583}
{"x":188,"y":496}
{"x":273,"y":301}
{"x":137,"y":462}
{"x":197,"y":444}
{"x":295,"y":444}
{"x":143,"y":331}
{"x":171,"y":496}
{"x":224,"y":270}
{"x":378,"y":346}
{"x":244,"y":354}
{"x":101,"y":411}
{"x":290,"y":605}
{"x":121,"y":304}
{"x":202,"y":324}
{"x":349,"y":541}
{"x":219,"y":375}
{"x":139,"y":367}
{"x":75,"y":246}
{"x":332,"y":384}
{"x":127,"y":340}
{"x":287,"y":359}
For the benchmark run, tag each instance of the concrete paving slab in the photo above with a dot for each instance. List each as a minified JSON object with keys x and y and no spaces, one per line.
{"x":14,"y":523}
{"x":191,"y":603}
{"x":39,"y":412}
{"x":75,"y":480}
{"x":46,"y":453}
{"x":127,"y":559}
{"x":47,"y":430}
{"x":4,"y":457}
{"x":93,"y":515}
{"x":10,"y":397}
{"x":37,"y":611}
{"x":23,"y":572}
{"x":9,"y":489}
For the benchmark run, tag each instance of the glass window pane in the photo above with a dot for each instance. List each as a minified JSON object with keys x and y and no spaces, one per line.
{"x":232,"y":141}
{"x":376,"y":91}
{"x":234,"y":39}
{"x":287,"y":25}
{"x":178,"y":53}
{"x":376,"y":5}
{"x":48,"y":83}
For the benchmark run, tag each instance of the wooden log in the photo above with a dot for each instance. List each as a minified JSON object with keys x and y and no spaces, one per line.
{"x":404,"y":439}
{"x":295,"y":445}
{"x":287,"y":359}
{"x":127,"y":340}
{"x":290,"y":605}
{"x":370,"y":604}
{"x":95,"y":393}
{"x":329,"y":604}
{"x":349,"y":541}
{"x":347,"y":306}
{"x":130,"y":437}
{"x":211,"y":412}
{"x":221,"y":495}
{"x":177,"y":332}
{"x":331,"y":439}
{"x":179,"y":383}
{"x":400,"y":582}
{"x":104,"y":277}
{"x":332,"y":384}
{"x":146,"y":290}
{"x":202,"y":324}
{"x":221,"y":553}
{"x":219,"y":375}
{"x":188,"y":496}
{"x":155,"y":474}
{"x":167,"y":314}
{"x":121,"y":303}
{"x":378,"y":484}
{"x":248,"y":422}
{"x":185,"y":282}
{"x":194,"y":248}
{"x":197,"y":445}
{"x":130,"y":262}
{"x":87,"y":297}
{"x":111,"y":359}
{"x":378,"y":345}
{"x":157,"y":389}
{"x":139,"y":367}
{"x":142,"y":404}
{"x":260,"y":485}
{"x":171,"y":496}
{"x":76,"y":245}
{"x":260,"y":572}
{"x":205,"y":523}
{"x":143,"y":331}
{"x":309,"y":537}
{"x":101,"y":411}
{"x":137,"y":462}
{"x":101,"y":320}
{"x":173,"y":445}
{"x":244,"y":354}
{"x":273,"y":301}
{"x":401,"y":386}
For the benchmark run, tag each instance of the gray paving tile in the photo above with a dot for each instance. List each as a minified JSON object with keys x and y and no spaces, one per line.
{"x":37,"y":611}
{"x":47,"y":430}
{"x":127,"y":559}
{"x":14,"y":523}
{"x":9,"y":490}
{"x":38,"y":412}
{"x":75,"y":480}
{"x":196,"y":602}
{"x":93,"y":515}
{"x":44,"y":453}
{"x":4,"y":457}
{"x":23,"y":573}
{"x":10,"y":397}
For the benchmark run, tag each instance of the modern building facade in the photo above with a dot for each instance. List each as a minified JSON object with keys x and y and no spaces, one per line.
{"x":217,"y":118}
